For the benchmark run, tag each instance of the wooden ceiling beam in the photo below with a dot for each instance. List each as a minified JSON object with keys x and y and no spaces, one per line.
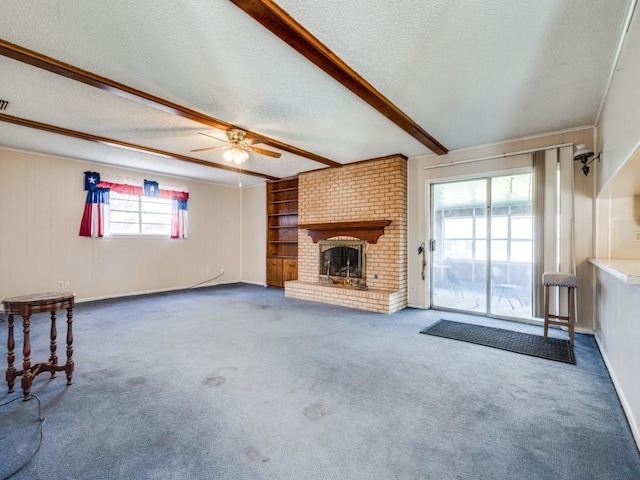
{"x":281,"y":24}
{"x":23,"y":122}
{"x":52,"y":65}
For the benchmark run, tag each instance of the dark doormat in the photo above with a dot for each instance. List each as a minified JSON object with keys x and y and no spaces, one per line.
{"x":525,"y":343}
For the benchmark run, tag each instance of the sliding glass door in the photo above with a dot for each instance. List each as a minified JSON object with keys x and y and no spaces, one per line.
{"x":482,"y":244}
{"x":459,"y":247}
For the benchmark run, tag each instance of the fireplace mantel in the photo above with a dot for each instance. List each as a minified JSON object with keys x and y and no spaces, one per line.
{"x":369,"y":230}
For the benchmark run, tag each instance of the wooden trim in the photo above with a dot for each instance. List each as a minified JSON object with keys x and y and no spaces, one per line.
{"x":386,"y":157}
{"x":297,"y":151}
{"x":369,"y":230}
{"x":52,"y":65}
{"x":281,"y":24}
{"x":117,"y":143}
{"x":292,"y":177}
{"x":368,"y":160}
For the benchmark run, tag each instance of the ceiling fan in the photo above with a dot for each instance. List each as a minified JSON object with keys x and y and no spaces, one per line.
{"x":238,"y":147}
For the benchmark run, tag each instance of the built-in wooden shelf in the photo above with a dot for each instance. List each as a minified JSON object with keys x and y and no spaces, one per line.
{"x":369,"y":230}
{"x":279,"y":190}
{"x":282,"y":231}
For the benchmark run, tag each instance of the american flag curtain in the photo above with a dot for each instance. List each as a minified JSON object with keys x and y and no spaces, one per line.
{"x":179,"y":219}
{"x":92,"y":223}
{"x":178,"y":210}
{"x":151,"y":189}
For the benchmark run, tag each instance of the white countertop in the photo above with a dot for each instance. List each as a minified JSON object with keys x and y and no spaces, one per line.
{"x":623,"y":269}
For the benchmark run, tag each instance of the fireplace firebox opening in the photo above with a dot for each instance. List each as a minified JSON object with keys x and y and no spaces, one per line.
{"x":342,"y":262}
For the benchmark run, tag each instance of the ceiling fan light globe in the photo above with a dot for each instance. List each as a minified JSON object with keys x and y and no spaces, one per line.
{"x":242,"y":156}
{"x":236,"y":155}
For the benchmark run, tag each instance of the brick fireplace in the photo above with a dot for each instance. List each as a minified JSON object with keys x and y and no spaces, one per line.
{"x":359,"y":202}
{"x":343,"y":262}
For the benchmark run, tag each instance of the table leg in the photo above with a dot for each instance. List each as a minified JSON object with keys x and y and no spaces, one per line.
{"x":27,"y":376}
{"x":11,"y":356}
{"x":69,"y":365}
{"x":53,"y":358}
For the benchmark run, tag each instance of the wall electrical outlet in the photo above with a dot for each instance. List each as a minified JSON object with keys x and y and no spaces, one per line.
{"x":636,"y":236}
{"x":60,"y":284}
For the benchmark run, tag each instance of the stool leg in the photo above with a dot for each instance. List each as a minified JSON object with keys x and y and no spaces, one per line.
{"x":572,"y":314}
{"x":53,"y":358}
{"x":68,"y":368}
{"x":546,"y":310}
{"x":11,"y":356}
{"x":27,"y":375}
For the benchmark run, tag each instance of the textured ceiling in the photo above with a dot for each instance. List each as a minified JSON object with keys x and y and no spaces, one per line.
{"x":467,"y":72}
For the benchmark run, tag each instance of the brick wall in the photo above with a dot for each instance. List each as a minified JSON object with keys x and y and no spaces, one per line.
{"x":370,"y":190}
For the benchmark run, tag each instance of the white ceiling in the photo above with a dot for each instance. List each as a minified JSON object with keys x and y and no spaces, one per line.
{"x":469,"y":72}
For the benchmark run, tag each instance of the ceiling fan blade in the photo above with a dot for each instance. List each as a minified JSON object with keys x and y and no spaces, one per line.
{"x":268,"y":153}
{"x":207,"y":148}
{"x":215,"y":138}
{"x":254,"y":140}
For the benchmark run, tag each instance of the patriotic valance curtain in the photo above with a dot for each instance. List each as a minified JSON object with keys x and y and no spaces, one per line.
{"x":92,"y":224}
{"x":97,"y":201}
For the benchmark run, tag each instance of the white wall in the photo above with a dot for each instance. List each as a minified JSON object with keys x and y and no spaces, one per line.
{"x":618,"y":128}
{"x":254,"y":234}
{"x":418,"y":193}
{"x":617,"y":327}
{"x":618,"y":336}
{"x":618,"y":222}
{"x":41,"y":204}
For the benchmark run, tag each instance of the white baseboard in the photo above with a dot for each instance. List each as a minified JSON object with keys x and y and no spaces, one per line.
{"x":259,"y":284}
{"x":633,"y":424}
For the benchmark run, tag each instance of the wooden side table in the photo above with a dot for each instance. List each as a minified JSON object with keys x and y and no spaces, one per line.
{"x":25,"y":306}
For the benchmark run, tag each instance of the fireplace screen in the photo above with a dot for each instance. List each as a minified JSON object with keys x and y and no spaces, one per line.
{"x":343,"y":262}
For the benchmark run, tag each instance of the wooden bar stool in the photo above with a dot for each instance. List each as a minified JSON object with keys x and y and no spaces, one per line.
{"x":568,"y":281}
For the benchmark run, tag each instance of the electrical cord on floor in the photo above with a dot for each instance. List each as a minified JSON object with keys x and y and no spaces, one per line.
{"x":42,"y":420}
{"x":206,"y":281}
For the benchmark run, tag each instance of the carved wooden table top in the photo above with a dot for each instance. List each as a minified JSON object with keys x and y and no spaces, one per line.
{"x":38,"y":302}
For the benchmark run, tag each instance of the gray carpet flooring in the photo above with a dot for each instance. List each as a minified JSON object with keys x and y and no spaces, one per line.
{"x":238,"y":382}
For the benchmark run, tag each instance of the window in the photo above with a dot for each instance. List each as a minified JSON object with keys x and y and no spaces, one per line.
{"x":133,"y":215}
{"x":464,"y":230}
{"x":134,"y":210}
